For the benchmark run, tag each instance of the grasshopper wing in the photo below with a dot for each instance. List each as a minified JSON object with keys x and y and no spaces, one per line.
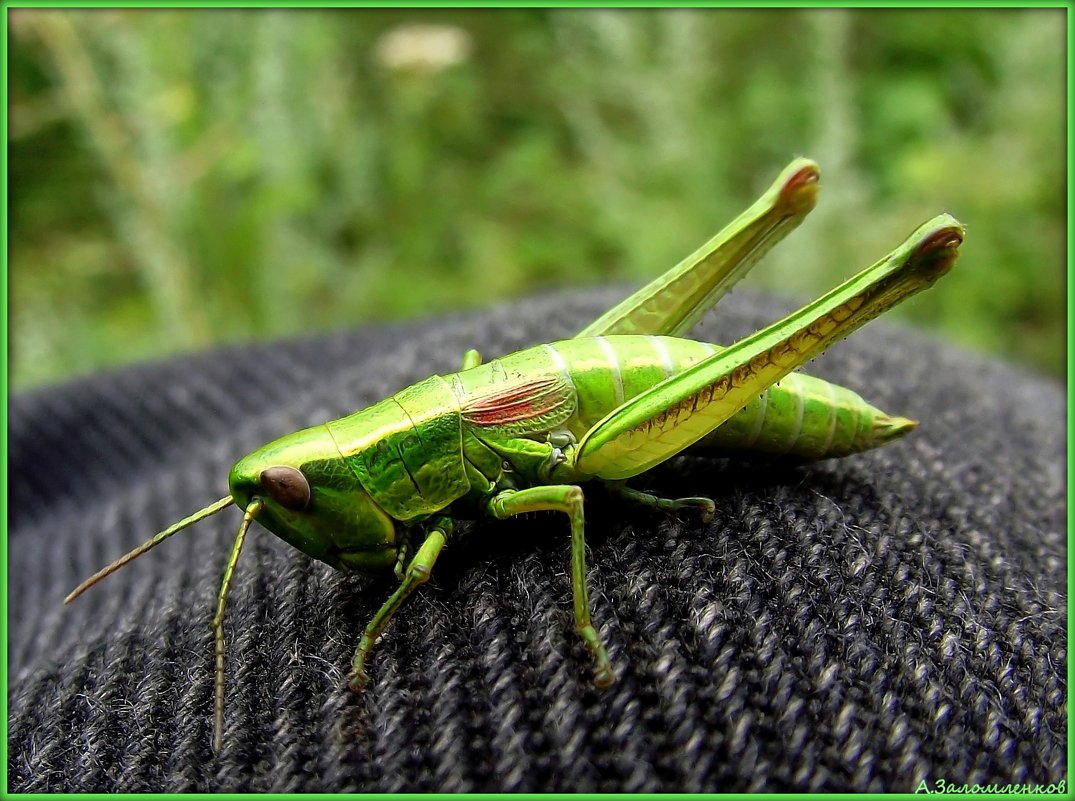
{"x":521,"y":407}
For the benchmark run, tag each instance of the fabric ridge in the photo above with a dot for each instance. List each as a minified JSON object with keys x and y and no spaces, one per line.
{"x":861,"y":624}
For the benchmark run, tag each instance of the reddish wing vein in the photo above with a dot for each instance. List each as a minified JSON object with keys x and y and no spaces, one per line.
{"x":517,"y":402}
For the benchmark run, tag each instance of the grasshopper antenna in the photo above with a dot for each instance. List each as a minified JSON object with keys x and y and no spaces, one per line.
{"x":201,"y":514}
{"x":217,"y":625}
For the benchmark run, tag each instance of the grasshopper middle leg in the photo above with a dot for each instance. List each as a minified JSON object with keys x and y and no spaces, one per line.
{"x":568,"y":499}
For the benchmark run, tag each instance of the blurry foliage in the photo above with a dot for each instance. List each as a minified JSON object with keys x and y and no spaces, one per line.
{"x":181,"y":177}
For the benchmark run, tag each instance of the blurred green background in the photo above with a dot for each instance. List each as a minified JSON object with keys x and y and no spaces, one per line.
{"x":185,"y":177}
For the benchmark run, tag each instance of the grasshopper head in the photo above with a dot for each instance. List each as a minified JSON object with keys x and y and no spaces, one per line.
{"x":313,"y":501}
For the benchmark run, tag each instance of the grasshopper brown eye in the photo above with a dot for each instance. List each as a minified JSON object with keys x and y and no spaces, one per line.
{"x":287,"y":486}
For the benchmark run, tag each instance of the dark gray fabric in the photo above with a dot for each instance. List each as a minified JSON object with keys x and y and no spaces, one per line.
{"x":862,"y":624}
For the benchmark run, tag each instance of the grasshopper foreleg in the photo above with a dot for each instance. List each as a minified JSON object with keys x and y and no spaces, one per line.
{"x":568,"y":499}
{"x":416,"y":575}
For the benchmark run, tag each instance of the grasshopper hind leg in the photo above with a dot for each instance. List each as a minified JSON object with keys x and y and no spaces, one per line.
{"x":702,"y":505}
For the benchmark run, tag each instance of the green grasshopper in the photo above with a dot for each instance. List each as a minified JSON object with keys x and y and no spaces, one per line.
{"x":379,"y":490}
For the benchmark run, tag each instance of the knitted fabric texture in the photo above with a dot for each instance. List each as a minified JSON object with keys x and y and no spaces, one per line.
{"x":867,"y":623}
